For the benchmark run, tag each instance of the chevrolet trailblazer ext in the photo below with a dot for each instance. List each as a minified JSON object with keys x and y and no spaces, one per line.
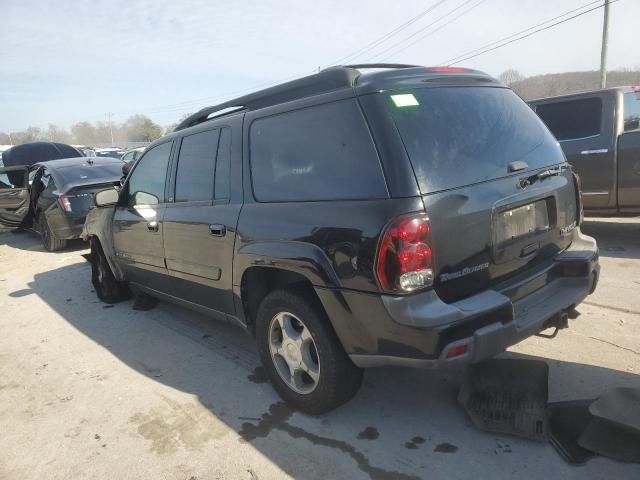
{"x":407,"y":216}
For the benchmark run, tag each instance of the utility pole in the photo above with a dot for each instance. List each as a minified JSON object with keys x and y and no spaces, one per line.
{"x":605,"y":44}
{"x":110,"y":127}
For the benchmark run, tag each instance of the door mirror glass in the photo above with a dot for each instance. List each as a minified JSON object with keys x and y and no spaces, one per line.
{"x":144,"y":199}
{"x":106,"y":198}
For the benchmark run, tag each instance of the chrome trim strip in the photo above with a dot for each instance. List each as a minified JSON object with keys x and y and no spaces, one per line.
{"x":579,"y":138}
{"x":595,"y":151}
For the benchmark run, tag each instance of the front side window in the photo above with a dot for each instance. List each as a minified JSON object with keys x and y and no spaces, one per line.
{"x":196,"y":166}
{"x":12,"y":177}
{"x":146,"y":182}
{"x":631,"y":111}
{"x":572,"y":119}
{"x":324,"y":152}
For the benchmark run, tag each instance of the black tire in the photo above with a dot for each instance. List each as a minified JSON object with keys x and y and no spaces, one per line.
{"x":49,"y":240}
{"x":339,"y":379}
{"x":108,"y":288}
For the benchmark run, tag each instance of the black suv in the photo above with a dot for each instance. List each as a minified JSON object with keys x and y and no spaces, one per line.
{"x":407,"y":216}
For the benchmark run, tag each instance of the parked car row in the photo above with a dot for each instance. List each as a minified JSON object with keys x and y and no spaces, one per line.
{"x":354,"y":218}
{"x":48,"y":188}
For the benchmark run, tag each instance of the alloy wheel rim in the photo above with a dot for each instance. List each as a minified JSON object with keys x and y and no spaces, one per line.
{"x":294,"y":353}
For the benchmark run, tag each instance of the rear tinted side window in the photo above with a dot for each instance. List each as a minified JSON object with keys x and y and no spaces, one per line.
{"x":572,"y":119}
{"x":146,"y":182}
{"x":223,"y":164}
{"x":196,"y":165}
{"x":323,"y":152}
{"x":631,"y":111}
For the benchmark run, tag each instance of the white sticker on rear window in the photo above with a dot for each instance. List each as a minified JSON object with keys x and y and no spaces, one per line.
{"x":405,"y":100}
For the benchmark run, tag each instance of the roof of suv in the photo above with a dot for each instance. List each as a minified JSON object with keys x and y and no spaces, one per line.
{"x":379,"y":76}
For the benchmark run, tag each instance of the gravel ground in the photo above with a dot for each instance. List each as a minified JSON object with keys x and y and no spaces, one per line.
{"x":95,"y":391}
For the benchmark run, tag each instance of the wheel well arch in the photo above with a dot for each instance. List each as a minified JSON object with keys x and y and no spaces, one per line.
{"x":258,"y":281}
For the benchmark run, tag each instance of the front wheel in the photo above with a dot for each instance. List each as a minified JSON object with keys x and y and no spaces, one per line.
{"x":108,"y":288}
{"x":302,"y":355}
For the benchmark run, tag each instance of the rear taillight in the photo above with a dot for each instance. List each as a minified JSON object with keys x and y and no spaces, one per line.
{"x":405,"y":258}
{"x":65,"y":203}
{"x":579,"y":202}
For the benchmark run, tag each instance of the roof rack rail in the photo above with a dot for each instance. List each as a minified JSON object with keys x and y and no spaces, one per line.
{"x":326,"y":80}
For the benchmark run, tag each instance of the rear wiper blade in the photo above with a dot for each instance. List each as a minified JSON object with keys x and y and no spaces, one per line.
{"x":550,"y":172}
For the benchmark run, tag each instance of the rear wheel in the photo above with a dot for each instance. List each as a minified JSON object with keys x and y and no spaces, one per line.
{"x":50,"y":242}
{"x":302,"y":355}
{"x":108,"y":288}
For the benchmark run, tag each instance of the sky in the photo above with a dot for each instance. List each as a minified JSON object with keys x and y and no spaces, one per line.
{"x":67,"y":61}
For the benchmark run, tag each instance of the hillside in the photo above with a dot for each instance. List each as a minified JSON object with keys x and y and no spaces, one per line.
{"x":560,"y":83}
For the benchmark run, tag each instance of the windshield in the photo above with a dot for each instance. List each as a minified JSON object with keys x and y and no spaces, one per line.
{"x":457,"y":136}
{"x":90,"y":173}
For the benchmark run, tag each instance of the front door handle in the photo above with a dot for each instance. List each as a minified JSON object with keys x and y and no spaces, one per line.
{"x":152,"y":226}
{"x":218,"y":230}
{"x":595,"y":151}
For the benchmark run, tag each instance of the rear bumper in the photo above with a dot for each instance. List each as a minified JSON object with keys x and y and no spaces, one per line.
{"x":421,"y":330}
{"x":65,"y":226}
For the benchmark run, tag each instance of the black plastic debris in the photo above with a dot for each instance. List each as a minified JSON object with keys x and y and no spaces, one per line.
{"x":609,"y":440}
{"x":567,"y":421}
{"x":621,"y":407}
{"x":144,"y":302}
{"x":508,"y":396}
{"x":614,"y":431}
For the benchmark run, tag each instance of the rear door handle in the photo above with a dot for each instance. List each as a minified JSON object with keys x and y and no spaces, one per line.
{"x":152,"y":226}
{"x":218,"y":230}
{"x":594,"y":152}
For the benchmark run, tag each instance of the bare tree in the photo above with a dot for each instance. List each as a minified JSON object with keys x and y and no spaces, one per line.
{"x":511,"y":76}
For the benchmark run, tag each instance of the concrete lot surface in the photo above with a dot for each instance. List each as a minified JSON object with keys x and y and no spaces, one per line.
{"x":95,"y":391}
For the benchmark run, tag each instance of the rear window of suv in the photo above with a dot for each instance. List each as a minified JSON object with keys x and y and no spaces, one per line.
{"x":457,"y":136}
{"x":324,"y":152}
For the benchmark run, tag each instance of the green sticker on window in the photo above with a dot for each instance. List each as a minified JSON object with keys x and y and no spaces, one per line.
{"x":405,"y":100}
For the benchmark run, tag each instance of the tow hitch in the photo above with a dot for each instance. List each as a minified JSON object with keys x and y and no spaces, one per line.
{"x":558,"y":321}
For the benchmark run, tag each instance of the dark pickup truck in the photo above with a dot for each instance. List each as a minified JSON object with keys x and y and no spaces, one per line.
{"x":599,"y":132}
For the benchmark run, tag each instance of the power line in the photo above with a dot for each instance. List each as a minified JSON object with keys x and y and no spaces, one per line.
{"x":526,"y":30}
{"x":501,"y":43}
{"x":388,"y":35}
{"x":422,"y":37}
{"x":188,"y":103}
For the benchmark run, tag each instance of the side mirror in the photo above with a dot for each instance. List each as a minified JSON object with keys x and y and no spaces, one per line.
{"x":106,"y":198}
{"x":632,"y":124}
